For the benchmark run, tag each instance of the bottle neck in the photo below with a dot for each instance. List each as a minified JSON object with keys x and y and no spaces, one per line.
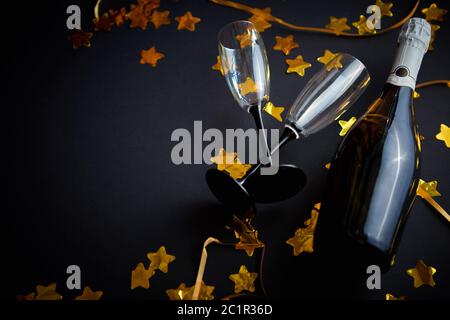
{"x":406,"y":65}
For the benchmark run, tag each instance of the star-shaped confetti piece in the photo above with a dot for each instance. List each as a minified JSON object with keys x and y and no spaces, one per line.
{"x":245,"y":39}
{"x":429,"y":187}
{"x":80,"y":38}
{"x":392,"y":297}
{"x":385,"y":8}
{"x":138,"y":16}
{"x":346,"y":125}
{"x":327,"y":165}
{"x":416,"y":95}
{"x":248,"y":86}
{"x":47,"y":293}
{"x":238,"y":170}
{"x":260,"y":23}
{"x":247,"y":235}
{"x":434,"y":13}
{"x":285,"y":44}
{"x":140,"y":276}
{"x":274,"y":111}
{"x":362,"y":27}
{"x":88,"y":294}
{"x":178,"y":293}
{"x":105,"y":22}
{"x":434,"y":28}
{"x":118,"y":16}
{"x":230,"y":163}
{"x":303,"y":240}
{"x":265,"y":13}
{"x":297,"y":65}
{"x":422,"y":274}
{"x":327,"y":56}
{"x":160,"y":259}
{"x":334,"y":63}
{"x":159,"y":18}
{"x":218,"y":66}
{"x":444,"y":135}
{"x":243,"y":280}
{"x":206,"y":292}
{"x":338,"y":25}
{"x":186,"y":293}
{"x":187,"y":21}
{"x":151,"y":56}
{"x":223,"y":159}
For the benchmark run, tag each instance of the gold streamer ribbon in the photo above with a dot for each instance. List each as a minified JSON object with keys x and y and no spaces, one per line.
{"x":433,"y":82}
{"x":96,"y":9}
{"x":270,"y":18}
{"x":425,"y":196}
{"x":201,"y":268}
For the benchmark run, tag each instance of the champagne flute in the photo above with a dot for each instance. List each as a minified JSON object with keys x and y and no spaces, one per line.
{"x":326,"y":96}
{"x":246,"y":69}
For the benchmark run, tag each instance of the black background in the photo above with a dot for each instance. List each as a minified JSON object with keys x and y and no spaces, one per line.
{"x":93,"y":183}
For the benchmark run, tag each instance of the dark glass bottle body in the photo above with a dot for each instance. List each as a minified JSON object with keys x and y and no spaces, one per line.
{"x":373,"y":177}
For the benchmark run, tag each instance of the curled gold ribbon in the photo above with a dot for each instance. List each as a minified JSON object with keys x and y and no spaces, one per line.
{"x":201,"y":268}
{"x":96,"y":9}
{"x":425,"y":196}
{"x":433,"y":82}
{"x":270,"y":18}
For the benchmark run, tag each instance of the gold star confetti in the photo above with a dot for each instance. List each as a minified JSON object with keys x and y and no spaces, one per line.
{"x":187,"y":21}
{"x":274,"y":111}
{"x":346,"y":125}
{"x":186,"y":293}
{"x":151,"y":56}
{"x":434,"y":28}
{"x":118,"y":16}
{"x":444,"y":135}
{"x":105,"y":22}
{"x":243,"y":280}
{"x":328,"y":165}
{"x":429,"y":187}
{"x":47,"y":293}
{"x":88,"y":294}
{"x":230,"y":163}
{"x":160,"y":259}
{"x":327,"y":56}
{"x":334,"y":63}
{"x":303,"y":240}
{"x":178,"y":293}
{"x":297,"y":65}
{"x":391,"y":297}
{"x":285,"y":44}
{"x":80,"y":38}
{"x":247,"y":235}
{"x":140,"y":276}
{"x":260,"y":23}
{"x":223,"y":159}
{"x":245,"y":39}
{"x":338,"y":25}
{"x":238,"y":170}
{"x":385,"y":8}
{"x":265,"y":13}
{"x":422,"y":274}
{"x":218,"y":66}
{"x":434,"y":13}
{"x":249,"y":86}
{"x":138,"y":17}
{"x":159,"y":18}
{"x":416,"y":95}
{"x":362,"y":27}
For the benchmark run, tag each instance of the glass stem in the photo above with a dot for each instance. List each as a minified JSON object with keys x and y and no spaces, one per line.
{"x":287,"y":135}
{"x":256,"y":112}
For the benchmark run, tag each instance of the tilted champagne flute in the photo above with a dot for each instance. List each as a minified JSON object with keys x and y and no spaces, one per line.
{"x":326,"y":96}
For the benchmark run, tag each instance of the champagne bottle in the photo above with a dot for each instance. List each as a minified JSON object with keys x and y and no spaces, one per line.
{"x":374,"y":174}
